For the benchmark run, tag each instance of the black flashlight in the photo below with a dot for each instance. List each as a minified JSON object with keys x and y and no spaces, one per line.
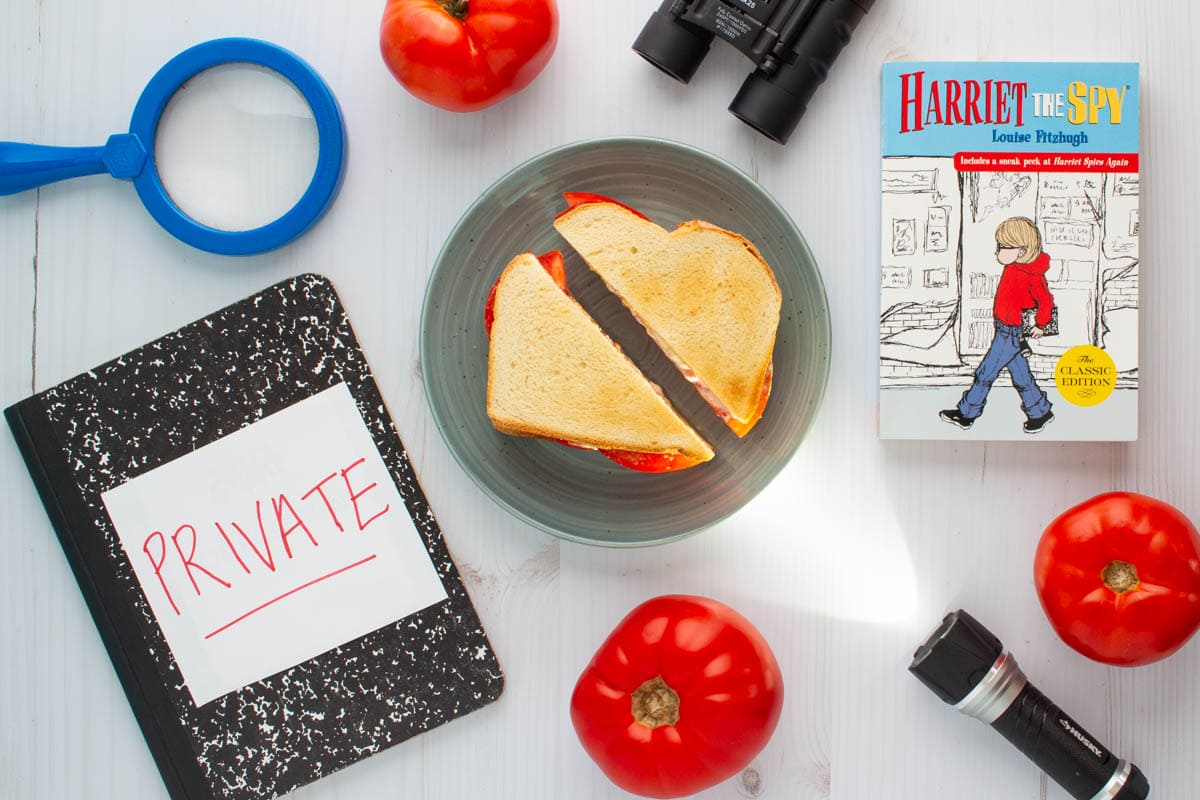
{"x":965,"y":665}
{"x":792,"y":43}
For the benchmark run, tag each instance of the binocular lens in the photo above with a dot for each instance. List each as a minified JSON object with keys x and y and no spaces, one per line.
{"x":768,"y":108}
{"x":675,"y":47}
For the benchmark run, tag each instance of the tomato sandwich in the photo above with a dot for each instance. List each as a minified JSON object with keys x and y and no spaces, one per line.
{"x":704,"y":294}
{"x":554,"y":374}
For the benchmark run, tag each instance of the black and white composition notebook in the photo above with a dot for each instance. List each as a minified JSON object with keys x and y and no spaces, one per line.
{"x":255,"y":549}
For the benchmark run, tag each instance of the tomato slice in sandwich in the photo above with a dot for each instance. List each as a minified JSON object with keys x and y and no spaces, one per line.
{"x":552,"y":262}
{"x":650,"y":462}
{"x":575,"y":199}
{"x":639,"y":461}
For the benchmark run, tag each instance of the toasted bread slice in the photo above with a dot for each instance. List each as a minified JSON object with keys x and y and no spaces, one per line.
{"x":552,"y":373}
{"x":704,"y":294}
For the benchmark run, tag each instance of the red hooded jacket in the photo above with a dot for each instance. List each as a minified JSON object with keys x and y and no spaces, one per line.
{"x":1024,"y":286}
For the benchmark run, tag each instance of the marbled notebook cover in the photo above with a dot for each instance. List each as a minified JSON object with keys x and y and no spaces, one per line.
{"x":189,"y":389}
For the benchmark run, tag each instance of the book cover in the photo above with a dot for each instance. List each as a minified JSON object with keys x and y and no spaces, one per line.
{"x":269,"y":581}
{"x":1009,"y":251}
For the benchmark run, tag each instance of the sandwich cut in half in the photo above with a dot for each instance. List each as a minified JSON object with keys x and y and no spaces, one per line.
{"x":554,"y":374}
{"x":704,"y":294}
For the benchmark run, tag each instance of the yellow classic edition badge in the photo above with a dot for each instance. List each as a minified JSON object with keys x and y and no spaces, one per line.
{"x":1085,"y":375}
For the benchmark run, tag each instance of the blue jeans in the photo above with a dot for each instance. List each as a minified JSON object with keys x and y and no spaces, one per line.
{"x":1005,"y":353}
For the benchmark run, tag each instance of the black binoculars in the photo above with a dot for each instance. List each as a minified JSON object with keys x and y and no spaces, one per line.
{"x":792,"y":43}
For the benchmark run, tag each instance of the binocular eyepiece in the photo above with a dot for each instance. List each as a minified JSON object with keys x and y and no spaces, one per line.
{"x":792,"y":43}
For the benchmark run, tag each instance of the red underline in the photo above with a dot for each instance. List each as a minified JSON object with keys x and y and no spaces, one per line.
{"x":288,"y":593}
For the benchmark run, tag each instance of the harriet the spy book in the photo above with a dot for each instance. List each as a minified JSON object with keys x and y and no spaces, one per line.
{"x":1009,"y":256}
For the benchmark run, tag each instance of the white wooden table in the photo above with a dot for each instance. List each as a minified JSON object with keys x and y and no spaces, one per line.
{"x":845,"y":562}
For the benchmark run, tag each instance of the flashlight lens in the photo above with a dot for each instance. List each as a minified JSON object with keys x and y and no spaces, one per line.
{"x":956,"y":657}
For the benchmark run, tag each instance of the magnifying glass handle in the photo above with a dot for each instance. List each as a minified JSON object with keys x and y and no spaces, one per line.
{"x":28,"y":166}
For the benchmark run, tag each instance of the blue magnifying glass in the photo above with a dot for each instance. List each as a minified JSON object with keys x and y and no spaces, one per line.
{"x":191,"y":106}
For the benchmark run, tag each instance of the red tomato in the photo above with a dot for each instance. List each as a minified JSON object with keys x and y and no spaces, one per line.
{"x":553,"y":263}
{"x":650,"y":462}
{"x":575,"y":199}
{"x":1119,"y":578}
{"x":465,"y":55}
{"x":682,"y":695}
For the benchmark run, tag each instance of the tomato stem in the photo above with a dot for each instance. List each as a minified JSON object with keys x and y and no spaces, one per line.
{"x":655,"y":704}
{"x":1120,"y":576}
{"x":455,"y":8}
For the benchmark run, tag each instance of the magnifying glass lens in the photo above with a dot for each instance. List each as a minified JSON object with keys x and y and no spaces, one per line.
{"x":236,"y":147}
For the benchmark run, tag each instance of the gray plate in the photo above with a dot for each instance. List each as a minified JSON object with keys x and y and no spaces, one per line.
{"x":581,"y":495}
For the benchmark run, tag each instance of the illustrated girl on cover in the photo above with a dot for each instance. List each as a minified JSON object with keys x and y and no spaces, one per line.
{"x":1022,"y":286}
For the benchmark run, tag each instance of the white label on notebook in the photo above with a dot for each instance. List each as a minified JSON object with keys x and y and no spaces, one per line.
{"x":273,"y":545}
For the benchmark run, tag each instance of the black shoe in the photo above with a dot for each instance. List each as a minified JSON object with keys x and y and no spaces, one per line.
{"x":955,"y":417}
{"x":1036,"y":425}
